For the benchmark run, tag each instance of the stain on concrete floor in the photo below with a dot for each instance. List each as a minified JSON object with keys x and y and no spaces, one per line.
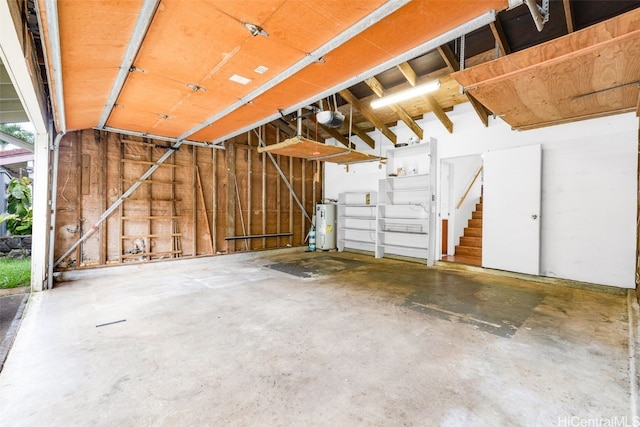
{"x":493,"y":308}
{"x":321,"y":265}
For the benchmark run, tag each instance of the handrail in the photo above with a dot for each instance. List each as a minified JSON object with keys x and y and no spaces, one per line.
{"x":466,"y":193}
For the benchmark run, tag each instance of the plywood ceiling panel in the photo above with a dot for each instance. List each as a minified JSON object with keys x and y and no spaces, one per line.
{"x":586,"y":74}
{"x":204,"y":42}
{"x":93,"y":38}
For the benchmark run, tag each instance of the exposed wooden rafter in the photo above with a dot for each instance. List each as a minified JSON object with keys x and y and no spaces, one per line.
{"x":568,"y":15}
{"x":410,"y":75}
{"x":439,"y":112}
{"x":338,"y":136}
{"x":453,"y":64}
{"x":378,"y":89}
{"x":501,"y":40}
{"x":482,"y":111}
{"x":368,"y":114}
{"x":449,"y":57}
{"x":363,"y":136}
{"x":284,"y":127}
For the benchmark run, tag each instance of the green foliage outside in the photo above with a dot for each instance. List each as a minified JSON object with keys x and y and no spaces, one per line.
{"x":14,"y":273}
{"x":17,"y":131}
{"x":19,"y":215}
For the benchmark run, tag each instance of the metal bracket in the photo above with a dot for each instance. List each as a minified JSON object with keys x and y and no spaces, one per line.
{"x":544,"y":11}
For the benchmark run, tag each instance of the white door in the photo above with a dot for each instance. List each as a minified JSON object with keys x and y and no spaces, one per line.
{"x":511,"y":210}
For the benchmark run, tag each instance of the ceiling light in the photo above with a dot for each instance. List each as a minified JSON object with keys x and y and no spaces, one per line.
{"x":239,"y":79}
{"x":406,"y":94}
{"x":261,"y":69}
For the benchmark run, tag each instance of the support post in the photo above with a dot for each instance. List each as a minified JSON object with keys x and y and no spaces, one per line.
{"x":39,"y":271}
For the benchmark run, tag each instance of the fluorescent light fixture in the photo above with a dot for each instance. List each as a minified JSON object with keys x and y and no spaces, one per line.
{"x":406,"y":94}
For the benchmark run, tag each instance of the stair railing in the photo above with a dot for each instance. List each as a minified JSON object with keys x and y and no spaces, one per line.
{"x":466,"y":193}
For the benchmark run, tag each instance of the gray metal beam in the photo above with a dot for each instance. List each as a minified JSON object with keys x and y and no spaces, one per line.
{"x":51,"y":8}
{"x":145,"y":17}
{"x":161,"y":138}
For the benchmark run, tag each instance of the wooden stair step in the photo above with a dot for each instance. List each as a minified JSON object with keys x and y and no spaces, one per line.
{"x":478,"y":206}
{"x":475,"y":223}
{"x":476,"y":215}
{"x":473,"y":232}
{"x":474,"y":242}
{"x":468,"y":250}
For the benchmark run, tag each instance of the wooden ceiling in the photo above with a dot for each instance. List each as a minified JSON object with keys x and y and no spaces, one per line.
{"x":179,"y":84}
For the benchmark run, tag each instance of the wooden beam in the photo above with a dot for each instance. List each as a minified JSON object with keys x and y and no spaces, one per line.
{"x":284,"y":126}
{"x":338,"y":136}
{"x":103,"y":139}
{"x":263,"y":134}
{"x":214,"y":201}
{"x":449,"y":57}
{"x":408,"y":73}
{"x":78,"y":141}
{"x":290,"y":159}
{"x":230,"y":157}
{"x":363,"y":136}
{"x":204,"y":209}
{"x":439,"y":112}
{"x":568,"y":15}
{"x":249,"y":190}
{"x":501,"y":39}
{"x":379,"y":90}
{"x":482,"y":111}
{"x":368,"y":114}
{"x":303,"y":185}
{"x":194,"y":201}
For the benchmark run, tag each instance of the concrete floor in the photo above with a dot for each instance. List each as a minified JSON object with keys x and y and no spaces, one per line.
{"x":247,"y":340}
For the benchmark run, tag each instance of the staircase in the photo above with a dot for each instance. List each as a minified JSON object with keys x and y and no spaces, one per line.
{"x":469,"y":250}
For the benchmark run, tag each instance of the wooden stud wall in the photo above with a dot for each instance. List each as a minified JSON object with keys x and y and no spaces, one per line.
{"x":187,"y":208}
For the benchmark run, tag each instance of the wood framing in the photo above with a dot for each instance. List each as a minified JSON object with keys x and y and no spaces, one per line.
{"x":186,"y":209}
{"x":366,"y":112}
{"x":379,"y":90}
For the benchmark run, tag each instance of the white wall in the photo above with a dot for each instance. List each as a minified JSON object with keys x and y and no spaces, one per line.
{"x":589,"y":189}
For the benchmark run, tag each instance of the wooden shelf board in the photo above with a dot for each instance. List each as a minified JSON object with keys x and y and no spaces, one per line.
{"x":312,"y":150}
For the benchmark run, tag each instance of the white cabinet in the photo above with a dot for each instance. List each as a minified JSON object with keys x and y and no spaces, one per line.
{"x":403,"y":214}
{"x":357,"y":220}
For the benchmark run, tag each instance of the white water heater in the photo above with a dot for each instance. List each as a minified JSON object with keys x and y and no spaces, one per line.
{"x":325,"y":226}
